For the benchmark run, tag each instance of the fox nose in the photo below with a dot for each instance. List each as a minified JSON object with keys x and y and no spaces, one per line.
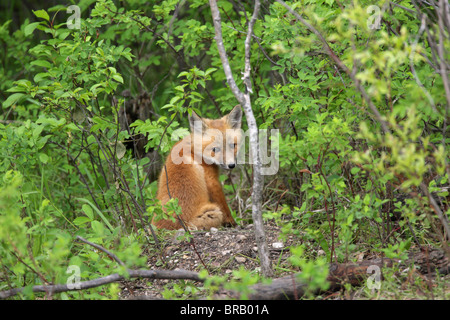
{"x":231,"y":165}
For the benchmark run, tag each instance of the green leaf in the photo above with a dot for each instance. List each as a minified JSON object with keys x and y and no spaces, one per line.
{"x":120,"y":150}
{"x":12,"y":99}
{"x":40,"y":76}
{"x":210,"y":70}
{"x":30,"y":28}
{"x":174,"y":99}
{"x":87,"y":209}
{"x":355,"y":170}
{"x":43,"y":157}
{"x":42,"y":63}
{"x":118,"y":78}
{"x":98,"y":211}
{"x":179,"y":133}
{"x":42,"y":14}
{"x":81,"y":220}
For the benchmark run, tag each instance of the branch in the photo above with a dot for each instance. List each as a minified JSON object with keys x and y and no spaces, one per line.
{"x":109,"y":253}
{"x":148,"y":274}
{"x":248,"y":39}
{"x":222,"y":52}
{"x":442,"y":217}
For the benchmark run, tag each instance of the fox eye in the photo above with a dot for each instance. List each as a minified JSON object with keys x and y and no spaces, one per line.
{"x":215,"y":149}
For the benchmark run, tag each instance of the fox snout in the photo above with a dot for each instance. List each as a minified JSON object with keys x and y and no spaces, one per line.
{"x":228,"y":166}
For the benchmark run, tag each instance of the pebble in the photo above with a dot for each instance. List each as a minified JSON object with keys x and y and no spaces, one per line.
{"x":277,"y":245}
{"x":214,"y":230}
{"x":240,"y":259}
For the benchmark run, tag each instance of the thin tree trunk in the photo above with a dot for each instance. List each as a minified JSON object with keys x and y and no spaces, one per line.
{"x":245,"y":101}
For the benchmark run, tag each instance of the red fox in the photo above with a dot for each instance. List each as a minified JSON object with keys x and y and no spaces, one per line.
{"x":191,"y":172}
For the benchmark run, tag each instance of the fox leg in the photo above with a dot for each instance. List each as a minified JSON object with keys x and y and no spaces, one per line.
{"x":207,"y":217}
{"x":217,"y":197}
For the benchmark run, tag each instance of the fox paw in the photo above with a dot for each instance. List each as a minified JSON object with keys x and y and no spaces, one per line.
{"x":209,"y":216}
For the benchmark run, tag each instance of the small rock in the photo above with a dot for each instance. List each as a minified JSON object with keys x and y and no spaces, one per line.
{"x":277,"y":245}
{"x":255,"y":248}
{"x":240,"y":259}
{"x":214,"y":230}
{"x":320,"y":252}
{"x":241,"y":237}
{"x":225,"y":252}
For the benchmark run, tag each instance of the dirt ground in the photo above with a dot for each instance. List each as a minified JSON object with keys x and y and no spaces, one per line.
{"x":218,"y":251}
{"x":225,"y":250}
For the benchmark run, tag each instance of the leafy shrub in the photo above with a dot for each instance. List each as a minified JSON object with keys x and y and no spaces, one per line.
{"x":345,"y":184}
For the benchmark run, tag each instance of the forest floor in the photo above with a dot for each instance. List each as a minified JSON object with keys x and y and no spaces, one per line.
{"x":219,"y":251}
{"x":225,"y":250}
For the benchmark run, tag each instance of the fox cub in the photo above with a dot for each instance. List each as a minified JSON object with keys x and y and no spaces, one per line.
{"x":191,"y":172}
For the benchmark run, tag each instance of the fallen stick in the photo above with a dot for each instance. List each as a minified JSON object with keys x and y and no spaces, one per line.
{"x":290,"y":287}
{"x":148,"y":274}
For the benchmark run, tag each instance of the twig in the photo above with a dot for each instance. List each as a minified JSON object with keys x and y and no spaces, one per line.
{"x":436,"y":209}
{"x":148,"y":274}
{"x":279,"y":199}
{"x":109,"y":253}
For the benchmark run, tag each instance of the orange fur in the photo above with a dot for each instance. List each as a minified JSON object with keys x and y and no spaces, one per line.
{"x":195,"y":179}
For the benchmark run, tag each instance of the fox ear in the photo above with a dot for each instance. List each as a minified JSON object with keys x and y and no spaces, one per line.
{"x":196,"y":123}
{"x":234,"y":118}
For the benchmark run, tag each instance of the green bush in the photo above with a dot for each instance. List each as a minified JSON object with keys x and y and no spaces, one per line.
{"x":345,"y":184}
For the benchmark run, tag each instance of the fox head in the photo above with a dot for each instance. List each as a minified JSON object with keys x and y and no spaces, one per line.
{"x":217,"y":140}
